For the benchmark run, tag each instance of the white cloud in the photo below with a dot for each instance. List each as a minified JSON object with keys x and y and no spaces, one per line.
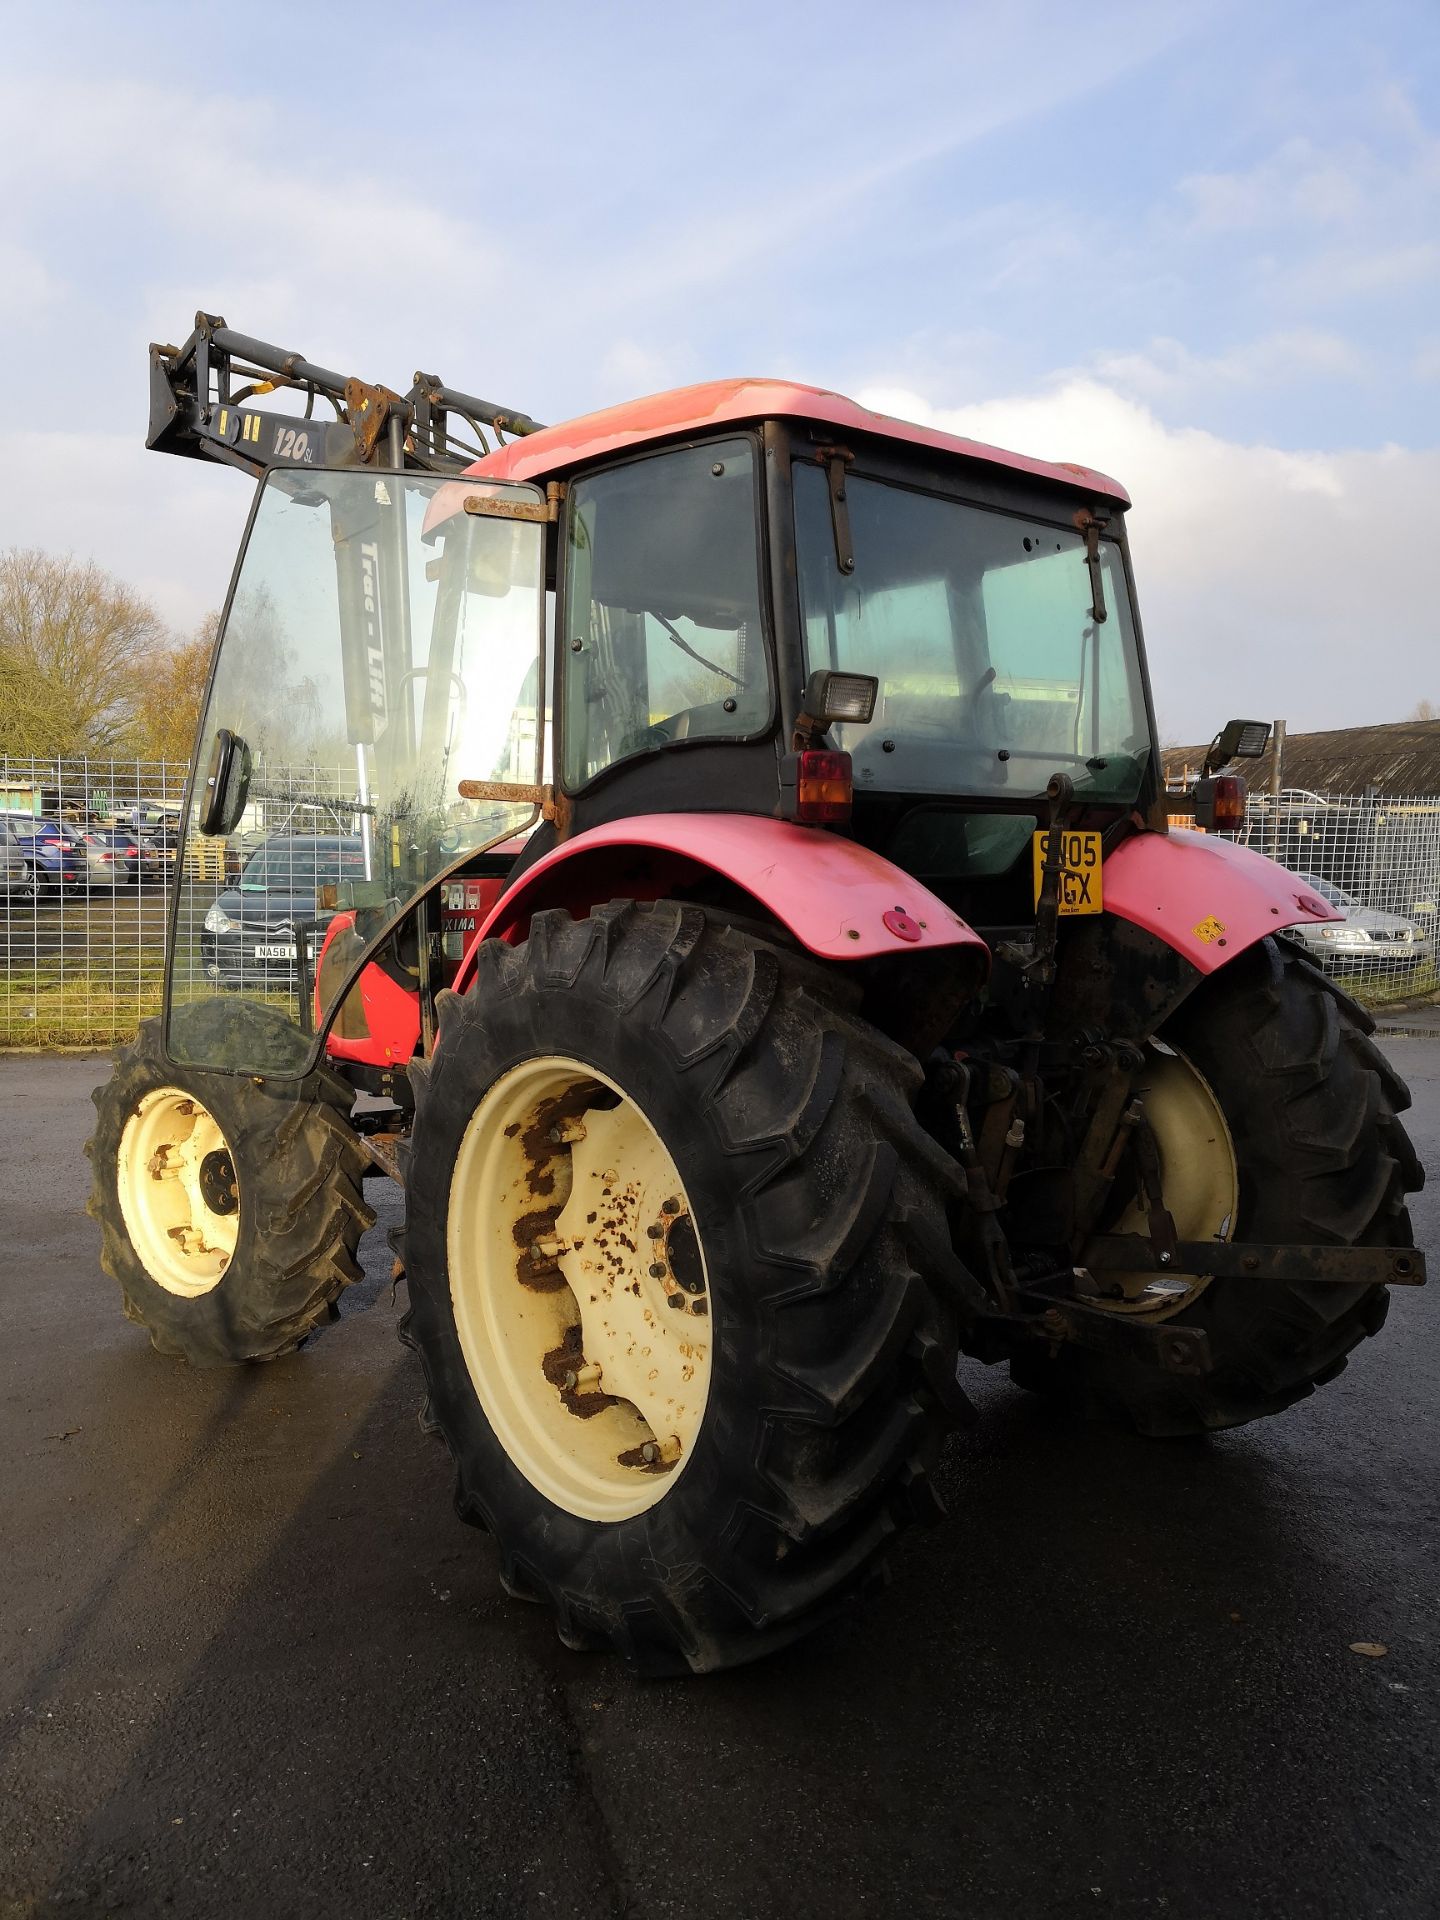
{"x":169,"y":529}
{"x":1167,"y":369}
{"x":1302,"y":585}
{"x":214,"y":182}
{"x":1299,"y":181}
{"x":1352,"y":218}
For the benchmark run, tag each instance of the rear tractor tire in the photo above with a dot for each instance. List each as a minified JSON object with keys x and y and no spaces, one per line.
{"x":680,"y":1281}
{"x":1277,"y":1121}
{"x":229,"y":1205}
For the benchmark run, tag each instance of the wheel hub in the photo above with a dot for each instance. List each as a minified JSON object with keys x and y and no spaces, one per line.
{"x":179,"y":1195}
{"x":1198,"y":1178}
{"x":579,"y":1286}
{"x":219,"y":1188}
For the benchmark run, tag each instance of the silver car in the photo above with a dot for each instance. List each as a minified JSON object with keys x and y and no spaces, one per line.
{"x":1366,"y":938}
{"x":18,"y":884}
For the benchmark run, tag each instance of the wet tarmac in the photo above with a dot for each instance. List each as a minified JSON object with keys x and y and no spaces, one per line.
{"x":250,"y":1664}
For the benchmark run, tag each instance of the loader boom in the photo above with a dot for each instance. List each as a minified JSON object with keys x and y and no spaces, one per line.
{"x":198,"y":408}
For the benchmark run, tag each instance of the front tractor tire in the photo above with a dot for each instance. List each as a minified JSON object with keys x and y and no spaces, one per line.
{"x":1271,"y":1068}
{"x":678,"y":1254}
{"x":229,"y":1206}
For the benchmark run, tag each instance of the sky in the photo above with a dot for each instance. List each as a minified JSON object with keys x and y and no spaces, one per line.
{"x":1195,"y":246}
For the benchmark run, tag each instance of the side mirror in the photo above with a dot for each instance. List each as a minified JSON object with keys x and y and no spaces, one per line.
{"x":1237,"y":740}
{"x":227,"y":783}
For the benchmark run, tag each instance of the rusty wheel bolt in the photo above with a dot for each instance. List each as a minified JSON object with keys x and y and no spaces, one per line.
{"x":657,"y":1271}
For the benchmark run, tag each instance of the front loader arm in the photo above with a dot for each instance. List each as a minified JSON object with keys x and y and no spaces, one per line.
{"x":198,"y":396}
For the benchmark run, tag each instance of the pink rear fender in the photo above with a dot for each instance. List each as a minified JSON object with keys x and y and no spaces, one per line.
{"x":839,"y":900}
{"x":1204,"y":896}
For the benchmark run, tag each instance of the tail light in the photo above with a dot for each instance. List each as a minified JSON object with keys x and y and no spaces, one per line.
{"x":1220,"y":803}
{"x":816,"y":787}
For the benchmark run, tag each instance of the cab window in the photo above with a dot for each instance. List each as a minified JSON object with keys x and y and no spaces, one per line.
{"x":664,"y":640}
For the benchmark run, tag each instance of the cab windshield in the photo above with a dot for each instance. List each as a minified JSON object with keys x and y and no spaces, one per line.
{"x":382,"y":646}
{"x":980,"y":627}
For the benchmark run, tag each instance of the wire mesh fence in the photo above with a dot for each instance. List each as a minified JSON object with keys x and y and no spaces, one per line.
{"x":87,"y":849}
{"x":90,"y":853}
{"x":1376,"y":859}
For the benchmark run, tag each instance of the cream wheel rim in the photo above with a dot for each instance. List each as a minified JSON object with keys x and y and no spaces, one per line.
{"x":579,"y":1289}
{"x":1199,"y":1181}
{"x":179,"y":1194}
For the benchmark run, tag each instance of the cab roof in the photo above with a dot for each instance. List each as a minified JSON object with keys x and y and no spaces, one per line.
{"x":686,"y":410}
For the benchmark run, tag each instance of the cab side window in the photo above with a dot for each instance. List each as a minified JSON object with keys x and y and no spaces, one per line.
{"x":664,"y":640}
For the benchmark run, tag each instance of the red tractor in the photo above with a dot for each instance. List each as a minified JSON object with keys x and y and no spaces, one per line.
{"x":714,"y":854}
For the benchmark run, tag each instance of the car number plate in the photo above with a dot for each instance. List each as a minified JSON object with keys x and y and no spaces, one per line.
{"x":281,"y":951}
{"x":1081,"y":887}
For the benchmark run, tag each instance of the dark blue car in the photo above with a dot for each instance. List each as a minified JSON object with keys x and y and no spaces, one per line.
{"x":55,"y":862}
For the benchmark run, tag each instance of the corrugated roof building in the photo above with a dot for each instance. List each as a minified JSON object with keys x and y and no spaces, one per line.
{"x":1402,"y":757}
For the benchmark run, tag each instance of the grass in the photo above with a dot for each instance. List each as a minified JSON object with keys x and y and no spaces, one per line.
{"x":80,"y":1011}
{"x":1381,"y":990}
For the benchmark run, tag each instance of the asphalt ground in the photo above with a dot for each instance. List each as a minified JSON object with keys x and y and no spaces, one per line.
{"x":251,"y":1664}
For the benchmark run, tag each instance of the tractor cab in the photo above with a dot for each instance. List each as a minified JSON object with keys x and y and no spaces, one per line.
{"x":711,"y":565}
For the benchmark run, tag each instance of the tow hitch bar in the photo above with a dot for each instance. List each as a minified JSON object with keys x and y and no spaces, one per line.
{"x":1186,"y":1350}
{"x":1239,"y":1260}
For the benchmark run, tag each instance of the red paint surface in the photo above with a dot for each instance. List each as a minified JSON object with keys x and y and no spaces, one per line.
{"x":719,"y":402}
{"x":1172,"y":883}
{"x":833,"y":895}
{"x":392,"y":1013}
{"x":901,"y":925}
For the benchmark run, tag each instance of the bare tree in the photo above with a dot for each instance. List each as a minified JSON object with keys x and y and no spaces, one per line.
{"x":72,"y":641}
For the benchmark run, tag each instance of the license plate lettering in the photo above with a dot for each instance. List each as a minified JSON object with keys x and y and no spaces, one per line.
{"x":275,"y":952}
{"x":1081,"y":882}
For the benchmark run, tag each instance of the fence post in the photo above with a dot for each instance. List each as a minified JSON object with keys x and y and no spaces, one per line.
{"x":1277,"y":782}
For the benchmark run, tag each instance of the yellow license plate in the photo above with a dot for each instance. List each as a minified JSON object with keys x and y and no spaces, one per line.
{"x":1080,"y":883}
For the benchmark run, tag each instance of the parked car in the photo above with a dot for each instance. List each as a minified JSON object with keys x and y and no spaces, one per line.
{"x":1366,"y":937}
{"x":157,"y":826}
{"x":57,"y":864}
{"x":115,"y":858}
{"x":18,"y":882}
{"x":249,"y":937}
